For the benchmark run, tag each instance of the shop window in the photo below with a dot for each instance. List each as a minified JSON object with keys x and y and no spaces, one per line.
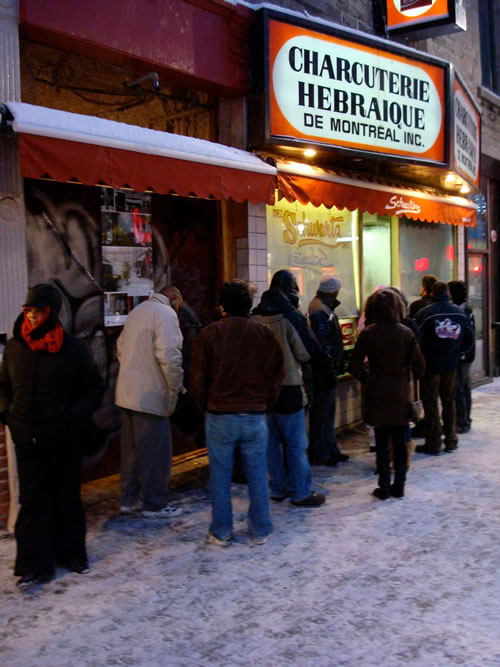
{"x":376,"y":252}
{"x":477,"y":237}
{"x":424,"y":248}
{"x":312,"y":241}
{"x":489,"y":26}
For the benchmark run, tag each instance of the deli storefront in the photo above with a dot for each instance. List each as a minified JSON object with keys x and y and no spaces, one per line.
{"x":376,"y":147}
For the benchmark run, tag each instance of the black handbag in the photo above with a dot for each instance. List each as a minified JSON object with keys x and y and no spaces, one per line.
{"x":415,"y":406}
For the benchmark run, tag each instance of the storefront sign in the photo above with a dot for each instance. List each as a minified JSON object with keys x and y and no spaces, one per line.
{"x":467,"y":135}
{"x":340,"y":93}
{"x":425,"y":18}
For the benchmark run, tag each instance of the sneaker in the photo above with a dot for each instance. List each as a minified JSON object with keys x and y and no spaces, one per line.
{"x":261,"y":539}
{"x":29,"y":581}
{"x":80,"y":567}
{"x":312,"y":500}
{"x":167,"y":512}
{"x":215,"y":541}
{"x":131,"y":509}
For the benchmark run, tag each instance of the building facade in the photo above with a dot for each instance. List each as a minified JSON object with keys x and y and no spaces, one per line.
{"x":108,"y":210}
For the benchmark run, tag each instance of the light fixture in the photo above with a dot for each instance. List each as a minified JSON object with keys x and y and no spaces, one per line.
{"x":309,"y":152}
{"x":450,"y":178}
{"x":464,"y":189}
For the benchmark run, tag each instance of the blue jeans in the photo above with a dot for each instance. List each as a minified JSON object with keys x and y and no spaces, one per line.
{"x":224,"y":433}
{"x":288,"y":440}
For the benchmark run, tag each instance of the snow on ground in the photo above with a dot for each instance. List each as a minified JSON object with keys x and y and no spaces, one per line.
{"x":355,"y":582}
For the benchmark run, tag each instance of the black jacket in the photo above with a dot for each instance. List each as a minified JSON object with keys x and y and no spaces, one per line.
{"x":446,"y":334}
{"x":327,"y":362}
{"x":44,"y":395}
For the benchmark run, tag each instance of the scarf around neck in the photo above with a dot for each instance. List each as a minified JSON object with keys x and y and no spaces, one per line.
{"x":51,"y":341}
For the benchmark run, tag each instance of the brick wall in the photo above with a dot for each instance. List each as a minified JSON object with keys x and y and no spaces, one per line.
{"x":4,"y":484}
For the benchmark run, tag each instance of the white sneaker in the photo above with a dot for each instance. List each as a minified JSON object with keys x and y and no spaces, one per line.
{"x":131,"y":509}
{"x":211,"y":539}
{"x":167,"y":512}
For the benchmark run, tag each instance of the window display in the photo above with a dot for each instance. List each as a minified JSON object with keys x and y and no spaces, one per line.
{"x":376,"y":252}
{"x":127,"y":253}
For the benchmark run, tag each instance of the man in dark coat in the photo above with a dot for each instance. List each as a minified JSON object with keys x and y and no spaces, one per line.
{"x":425,"y":292}
{"x":446,"y":335}
{"x":49,"y":387}
{"x":323,"y":447}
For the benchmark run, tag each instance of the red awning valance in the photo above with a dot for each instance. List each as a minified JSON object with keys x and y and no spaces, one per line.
{"x":376,"y":199}
{"x":90,"y":164}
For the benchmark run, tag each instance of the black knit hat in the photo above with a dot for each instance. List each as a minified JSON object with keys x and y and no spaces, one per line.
{"x":43,"y":295}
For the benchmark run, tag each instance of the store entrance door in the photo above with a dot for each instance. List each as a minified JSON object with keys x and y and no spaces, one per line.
{"x":478,"y":299}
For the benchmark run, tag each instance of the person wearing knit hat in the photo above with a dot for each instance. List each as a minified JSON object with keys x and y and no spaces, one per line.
{"x":323,"y":447}
{"x":49,"y":387}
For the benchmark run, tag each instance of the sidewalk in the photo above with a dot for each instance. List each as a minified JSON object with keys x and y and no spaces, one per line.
{"x":355,"y":582}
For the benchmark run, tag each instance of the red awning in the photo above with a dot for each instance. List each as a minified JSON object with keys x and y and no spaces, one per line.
{"x":62,"y":160}
{"x":334,"y":190}
{"x":94,"y":151}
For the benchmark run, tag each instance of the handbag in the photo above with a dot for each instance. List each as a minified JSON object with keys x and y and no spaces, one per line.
{"x":415,"y":406}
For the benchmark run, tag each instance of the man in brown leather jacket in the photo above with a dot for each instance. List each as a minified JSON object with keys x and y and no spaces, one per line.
{"x":236,"y":373}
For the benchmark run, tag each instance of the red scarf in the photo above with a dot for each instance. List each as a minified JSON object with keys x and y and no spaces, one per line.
{"x":52,"y":340}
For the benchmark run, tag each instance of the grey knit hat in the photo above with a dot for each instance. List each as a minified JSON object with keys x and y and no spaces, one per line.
{"x":329,"y":283}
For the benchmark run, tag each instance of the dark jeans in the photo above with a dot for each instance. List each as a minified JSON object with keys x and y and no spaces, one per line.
{"x":146,"y":459}
{"x":432,"y":387}
{"x":398,"y":436}
{"x":50,"y":526}
{"x":463,"y":400}
{"x":322,"y":436}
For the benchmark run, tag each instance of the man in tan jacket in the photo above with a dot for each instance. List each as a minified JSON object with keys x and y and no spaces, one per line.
{"x":149,"y":382}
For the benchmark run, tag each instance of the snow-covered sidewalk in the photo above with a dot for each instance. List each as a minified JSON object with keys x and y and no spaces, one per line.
{"x":355,"y":582}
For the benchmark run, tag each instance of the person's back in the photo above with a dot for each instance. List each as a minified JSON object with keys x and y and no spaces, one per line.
{"x":241,"y":357}
{"x":445,"y":331}
{"x":150,"y":355}
{"x":236,"y":373}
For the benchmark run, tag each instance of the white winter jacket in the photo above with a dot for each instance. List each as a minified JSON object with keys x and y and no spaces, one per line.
{"x":150,"y":356}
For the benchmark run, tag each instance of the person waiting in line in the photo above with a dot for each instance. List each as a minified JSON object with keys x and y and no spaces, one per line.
{"x":287,"y":442}
{"x":425,"y":295}
{"x":323,"y":447}
{"x":49,"y":388}
{"x":391,"y":349}
{"x":446,"y":335}
{"x":149,"y":382}
{"x":463,"y":396}
{"x":236,"y":374}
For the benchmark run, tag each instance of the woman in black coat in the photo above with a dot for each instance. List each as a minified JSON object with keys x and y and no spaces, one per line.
{"x":49,"y":387}
{"x":392,"y":350}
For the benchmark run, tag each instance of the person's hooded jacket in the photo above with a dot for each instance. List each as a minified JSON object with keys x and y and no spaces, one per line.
{"x":269,"y":312}
{"x":150,"y":355}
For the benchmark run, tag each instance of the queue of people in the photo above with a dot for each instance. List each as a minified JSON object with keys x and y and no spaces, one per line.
{"x":256,"y":375}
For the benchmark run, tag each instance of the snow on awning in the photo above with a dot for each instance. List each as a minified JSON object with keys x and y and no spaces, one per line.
{"x":68,"y":146}
{"x":330,"y":189}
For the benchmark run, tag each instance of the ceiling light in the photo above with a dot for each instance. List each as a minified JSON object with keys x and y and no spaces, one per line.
{"x":465,"y":189}
{"x":309,"y":152}
{"x":450,"y":178}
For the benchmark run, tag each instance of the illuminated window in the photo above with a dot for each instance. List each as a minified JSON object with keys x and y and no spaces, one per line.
{"x":424,"y":248}
{"x":311,"y":242}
